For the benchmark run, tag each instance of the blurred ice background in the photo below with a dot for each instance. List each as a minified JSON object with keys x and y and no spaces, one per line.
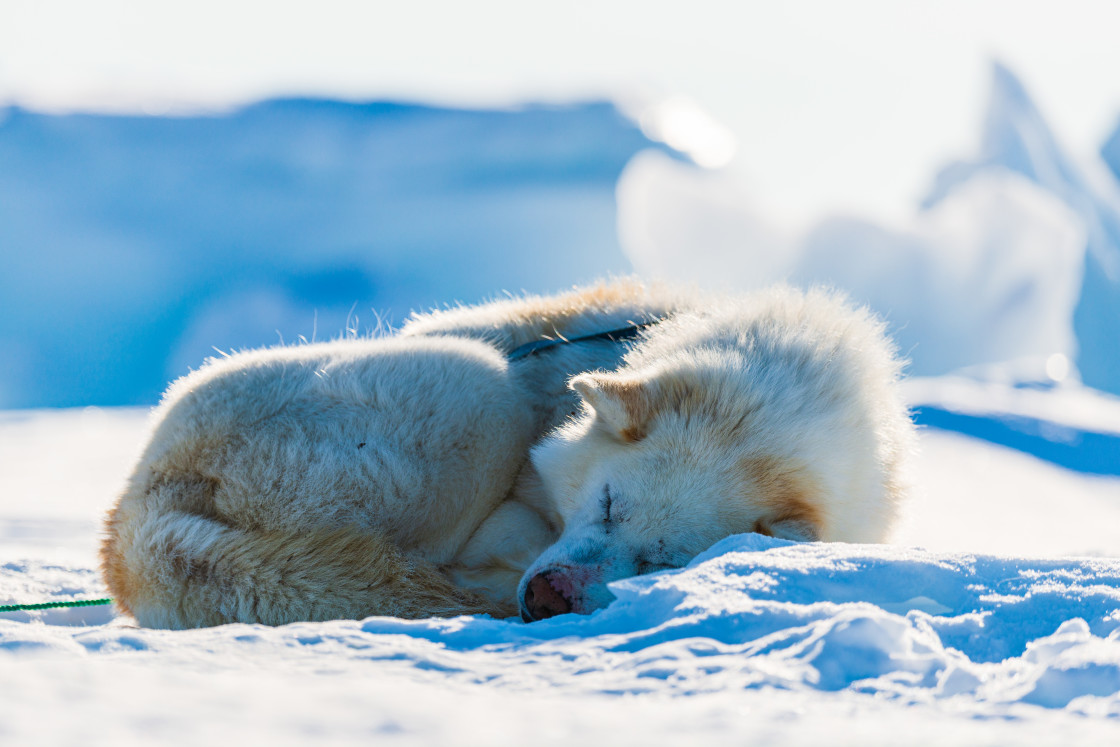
{"x":175,"y":179}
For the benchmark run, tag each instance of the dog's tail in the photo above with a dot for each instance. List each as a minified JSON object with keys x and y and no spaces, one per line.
{"x":172,"y":566}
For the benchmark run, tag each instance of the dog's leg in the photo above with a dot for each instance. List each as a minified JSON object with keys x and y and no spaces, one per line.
{"x":174,"y":569}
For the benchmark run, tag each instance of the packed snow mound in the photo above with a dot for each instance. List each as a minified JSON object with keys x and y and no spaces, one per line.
{"x":1014,"y":259}
{"x":134,"y":246}
{"x":752,"y":612}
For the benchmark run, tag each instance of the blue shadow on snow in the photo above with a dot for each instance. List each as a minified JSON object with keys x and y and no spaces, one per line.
{"x":1082,"y":451}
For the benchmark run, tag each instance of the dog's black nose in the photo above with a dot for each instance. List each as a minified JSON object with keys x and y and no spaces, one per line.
{"x":542,"y":599}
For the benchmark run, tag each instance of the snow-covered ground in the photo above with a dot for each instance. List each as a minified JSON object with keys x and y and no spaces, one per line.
{"x":1004,"y":628}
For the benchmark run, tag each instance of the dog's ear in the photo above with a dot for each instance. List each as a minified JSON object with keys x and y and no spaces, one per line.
{"x":623,"y":404}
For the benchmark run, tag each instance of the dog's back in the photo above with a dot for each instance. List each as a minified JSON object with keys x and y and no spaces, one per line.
{"x":310,"y":482}
{"x":336,"y":480}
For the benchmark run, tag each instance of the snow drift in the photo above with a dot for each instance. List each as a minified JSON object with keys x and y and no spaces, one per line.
{"x":981,"y":634}
{"x":751,"y":612}
{"x":980,"y":639}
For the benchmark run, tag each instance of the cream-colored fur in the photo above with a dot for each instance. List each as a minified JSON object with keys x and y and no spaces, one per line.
{"x":357,"y":477}
{"x":391,"y":476}
{"x":774,"y":413}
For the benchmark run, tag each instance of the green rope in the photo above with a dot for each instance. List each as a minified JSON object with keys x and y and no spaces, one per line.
{"x":52,"y":605}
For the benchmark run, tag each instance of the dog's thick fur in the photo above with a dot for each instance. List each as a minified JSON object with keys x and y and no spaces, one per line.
{"x":357,"y":477}
{"x":774,"y":413}
{"x":390,"y":476}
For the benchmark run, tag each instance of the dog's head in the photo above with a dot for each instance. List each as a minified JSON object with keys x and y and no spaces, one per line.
{"x":658,"y":467}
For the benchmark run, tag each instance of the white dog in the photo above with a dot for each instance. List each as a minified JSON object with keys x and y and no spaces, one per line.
{"x":390,"y":476}
{"x":774,"y":413}
{"x":358,"y":477}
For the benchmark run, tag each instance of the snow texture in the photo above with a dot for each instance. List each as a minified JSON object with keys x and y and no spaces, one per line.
{"x":986,"y":642}
{"x":751,"y":612}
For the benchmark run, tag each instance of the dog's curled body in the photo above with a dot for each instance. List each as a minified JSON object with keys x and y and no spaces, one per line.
{"x":358,"y":477}
{"x":429,"y":474}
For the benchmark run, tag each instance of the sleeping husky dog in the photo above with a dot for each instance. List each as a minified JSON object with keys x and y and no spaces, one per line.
{"x":393,"y":476}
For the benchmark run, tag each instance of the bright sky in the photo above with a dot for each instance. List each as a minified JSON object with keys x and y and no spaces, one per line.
{"x":834,"y":105}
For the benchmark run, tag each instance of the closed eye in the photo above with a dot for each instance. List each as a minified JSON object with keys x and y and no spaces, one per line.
{"x":656,"y":560}
{"x":606,"y":501}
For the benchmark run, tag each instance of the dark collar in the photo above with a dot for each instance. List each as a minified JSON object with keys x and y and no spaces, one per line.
{"x":612,"y":335}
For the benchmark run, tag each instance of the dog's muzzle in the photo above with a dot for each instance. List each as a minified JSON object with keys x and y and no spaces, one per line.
{"x":546,"y":595}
